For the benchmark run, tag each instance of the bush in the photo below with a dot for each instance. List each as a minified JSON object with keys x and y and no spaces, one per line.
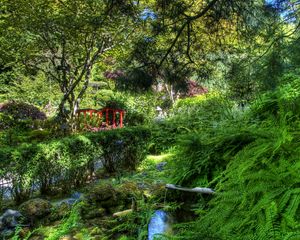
{"x":19,"y":114}
{"x":122,"y":148}
{"x":196,"y":114}
{"x":69,"y":162}
{"x":42,"y":166}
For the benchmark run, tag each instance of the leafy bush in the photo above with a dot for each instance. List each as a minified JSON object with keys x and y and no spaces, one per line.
{"x":19,"y":114}
{"x":201,"y":157}
{"x":41,"y":166}
{"x":69,"y":161}
{"x":197,"y":114}
{"x":122,"y":148}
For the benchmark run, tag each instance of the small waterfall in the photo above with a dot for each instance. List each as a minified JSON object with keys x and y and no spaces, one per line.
{"x":159,"y":224}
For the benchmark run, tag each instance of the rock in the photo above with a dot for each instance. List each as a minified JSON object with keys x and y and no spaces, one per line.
{"x":10,"y":219}
{"x":101,"y":193}
{"x":60,"y":211}
{"x":160,"y":166}
{"x":67,"y":237}
{"x":90,"y":212}
{"x":76,"y":195}
{"x":35,"y":208}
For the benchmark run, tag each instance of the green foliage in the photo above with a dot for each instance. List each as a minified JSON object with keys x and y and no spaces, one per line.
{"x":201,"y":114}
{"x":58,"y":162}
{"x":19,"y":114}
{"x":201,"y":157}
{"x":33,"y":89}
{"x":122,"y":148}
{"x":285,"y":100}
{"x":257,"y":188}
{"x":257,"y":196}
{"x":135,"y":224}
{"x":68,"y":162}
{"x":69,"y":223}
{"x":139,"y":108}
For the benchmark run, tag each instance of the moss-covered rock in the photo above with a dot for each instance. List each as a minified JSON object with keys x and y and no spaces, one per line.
{"x":35,"y":208}
{"x":101,"y":193}
{"x":90,"y":212}
{"x":60,"y":211}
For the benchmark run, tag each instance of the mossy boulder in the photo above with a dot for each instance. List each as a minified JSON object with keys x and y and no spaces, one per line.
{"x":60,"y":211}
{"x":35,"y":208}
{"x":101,"y":193}
{"x":91,"y":212}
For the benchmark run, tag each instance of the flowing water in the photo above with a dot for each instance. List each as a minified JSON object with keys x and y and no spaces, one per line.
{"x":160,"y":223}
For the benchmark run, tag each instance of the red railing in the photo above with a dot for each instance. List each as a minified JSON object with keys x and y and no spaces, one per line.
{"x":93,"y":119}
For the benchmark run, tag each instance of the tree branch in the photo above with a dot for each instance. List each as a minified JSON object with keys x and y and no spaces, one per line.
{"x":188,"y":20}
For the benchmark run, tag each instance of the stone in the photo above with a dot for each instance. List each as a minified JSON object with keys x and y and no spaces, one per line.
{"x":101,"y":193}
{"x":10,"y":219}
{"x":35,"y":208}
{"x":91,"y":213}
{"x":160,"y":166}
{"x":66,"y":237}
{"x":60,"y":211}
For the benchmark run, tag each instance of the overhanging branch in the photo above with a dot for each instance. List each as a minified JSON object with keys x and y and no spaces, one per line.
{"x":188,"y":20}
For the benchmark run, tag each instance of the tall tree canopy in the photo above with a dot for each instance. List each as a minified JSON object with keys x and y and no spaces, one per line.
{"x":65,"y":39}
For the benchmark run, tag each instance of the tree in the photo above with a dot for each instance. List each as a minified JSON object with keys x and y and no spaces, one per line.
{"x":65,"y":39}
{"x":200,"y":34}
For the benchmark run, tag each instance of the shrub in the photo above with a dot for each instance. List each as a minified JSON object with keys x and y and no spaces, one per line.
{"x":122,"y":148}
{"x":69,"y":162}
{"x":41,"y":166}
{"x":197,"y":114}
{"x":19,"y":114}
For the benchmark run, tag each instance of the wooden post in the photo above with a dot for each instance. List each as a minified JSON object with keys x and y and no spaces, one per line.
{"x":121,"y":119}
{"x":114,"y":118}
{"x":107,"y":117}
{"x":85,"y":123}
{"x":99,"y":119}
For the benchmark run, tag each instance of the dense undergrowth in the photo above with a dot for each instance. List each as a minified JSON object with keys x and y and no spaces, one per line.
{"x":251,"y":160}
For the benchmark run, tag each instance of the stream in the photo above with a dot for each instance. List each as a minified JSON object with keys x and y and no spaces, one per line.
{"x":160,"y":223}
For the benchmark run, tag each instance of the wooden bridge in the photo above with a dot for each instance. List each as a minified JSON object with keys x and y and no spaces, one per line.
{"x":97,"y":120}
